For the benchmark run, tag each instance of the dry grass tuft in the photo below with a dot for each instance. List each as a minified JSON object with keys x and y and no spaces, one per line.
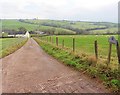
{"x":92,"y":60}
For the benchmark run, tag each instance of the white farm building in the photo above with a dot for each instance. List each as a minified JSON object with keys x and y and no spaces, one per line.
{"x":26,"y":35}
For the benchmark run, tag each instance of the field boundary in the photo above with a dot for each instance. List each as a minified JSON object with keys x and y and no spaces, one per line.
{"x":97,"y":53}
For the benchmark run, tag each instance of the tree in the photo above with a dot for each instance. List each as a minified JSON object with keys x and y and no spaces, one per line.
{"x":13,"y":31}
{"x":22,"y":30}
{"x":52,"y":31}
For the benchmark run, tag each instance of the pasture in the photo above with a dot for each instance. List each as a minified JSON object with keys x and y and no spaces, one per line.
{"x":90,"y":27}
{"x":84,"y":45}
{"x":15,"y":24}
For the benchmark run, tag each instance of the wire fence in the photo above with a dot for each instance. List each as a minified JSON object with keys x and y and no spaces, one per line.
{"x":87,"y":45}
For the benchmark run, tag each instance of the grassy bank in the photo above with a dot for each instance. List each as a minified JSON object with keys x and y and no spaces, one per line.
{"x":10,"y":45}
{"x":84,"y":45}
{"x":110,"y":78}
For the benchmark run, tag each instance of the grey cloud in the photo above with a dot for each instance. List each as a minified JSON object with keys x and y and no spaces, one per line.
{"x":70,"y":10}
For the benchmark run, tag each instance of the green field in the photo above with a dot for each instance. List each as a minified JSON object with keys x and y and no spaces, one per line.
{"x":9,"y":45}
{"x":60,"y":23}
{"x":15,"y":24}
{"x":84,"y":45}
{"x":79,"y":25}
{"x":109,"y":30}
{"x":60,"y":26}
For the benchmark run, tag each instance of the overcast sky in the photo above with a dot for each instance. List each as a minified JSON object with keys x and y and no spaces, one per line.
{"x":82,"y":10}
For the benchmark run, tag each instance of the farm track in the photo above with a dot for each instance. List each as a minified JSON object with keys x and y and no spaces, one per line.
{"x":31,"y":70}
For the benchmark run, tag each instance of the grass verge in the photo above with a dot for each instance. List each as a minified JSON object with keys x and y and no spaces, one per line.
{"x":13,"y":48}
{"x":110,"y":78}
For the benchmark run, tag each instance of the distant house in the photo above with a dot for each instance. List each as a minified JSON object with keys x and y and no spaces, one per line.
{"x":26,"y":35}
{"x":19,"y":35}
{"x":11,"y":35}
{"x":39,"y":32}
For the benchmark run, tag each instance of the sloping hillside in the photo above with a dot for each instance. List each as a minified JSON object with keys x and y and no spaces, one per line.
{"x":59,"y":26}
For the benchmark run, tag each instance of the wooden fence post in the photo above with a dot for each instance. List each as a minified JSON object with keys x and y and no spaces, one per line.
{"x":57,"y":41}
{"x":73,"y":44}
{"x":96,"y":49}
{"x":47,"y":39}
{"x":44,"y":38}
{"x":118,"y":51}
{"x":109,"y":53}
{"x":62,"y":43}
{"x":50,"y":38}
